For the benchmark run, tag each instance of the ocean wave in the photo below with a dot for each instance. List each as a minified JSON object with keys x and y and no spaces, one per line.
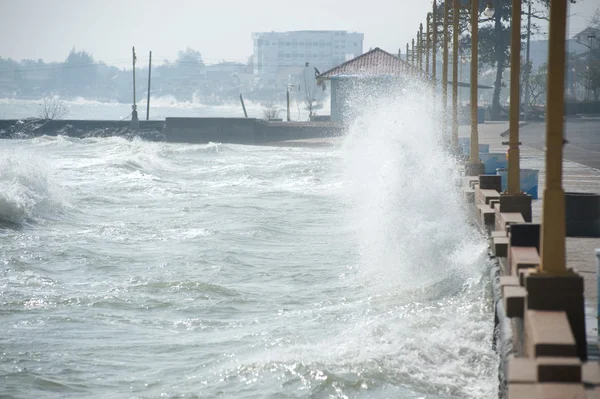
{"x":28,"y":191}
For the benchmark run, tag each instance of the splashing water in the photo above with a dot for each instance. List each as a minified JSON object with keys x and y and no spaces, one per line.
{"x":27,"y":190}
{"x":239,"y":271}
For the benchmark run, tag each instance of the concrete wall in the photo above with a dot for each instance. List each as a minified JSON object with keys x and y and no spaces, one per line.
{"x":178,"y":130}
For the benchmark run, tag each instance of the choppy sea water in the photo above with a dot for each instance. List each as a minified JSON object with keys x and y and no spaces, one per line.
{"x":137,"y":269}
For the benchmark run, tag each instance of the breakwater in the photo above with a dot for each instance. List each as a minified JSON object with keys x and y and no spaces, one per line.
{"x":177,"y":130}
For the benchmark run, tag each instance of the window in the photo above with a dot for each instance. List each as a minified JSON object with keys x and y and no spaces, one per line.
{"x":301,"y":44}
{"x":287,"y":44}
{"x":280,"y":43}
{"x":294,"y":43}
{"x":355,"y":44}
{"x":288,"y":55}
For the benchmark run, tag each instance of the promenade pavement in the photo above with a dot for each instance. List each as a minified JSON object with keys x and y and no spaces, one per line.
{"x":576,"y":178}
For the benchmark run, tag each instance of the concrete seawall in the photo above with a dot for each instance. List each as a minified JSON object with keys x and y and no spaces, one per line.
{"x":178,"y":130}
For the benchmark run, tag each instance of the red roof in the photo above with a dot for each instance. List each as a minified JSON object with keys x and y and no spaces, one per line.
{"x":374,"y":62}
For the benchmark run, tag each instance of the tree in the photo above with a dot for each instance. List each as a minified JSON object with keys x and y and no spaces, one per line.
{"x":311,"y":89}
{"x":592,"y":77}
{"x":270,"y":111}
{"x":538,"y":83}
{"x":52,"y":108}
{"x":495,"y":35}
{"x":189,"y":57}
{"x":79,"y":71}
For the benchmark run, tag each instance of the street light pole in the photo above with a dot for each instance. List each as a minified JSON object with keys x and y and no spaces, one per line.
{"x":474,"y":167}
{"x":553,"y":210}
{"x":455,"y":33}
{"x":412,"y":57}
{"x":445,"y":70}
{"x":427,"y":45}
{"x":420,"y":46}
{"x":514,"y":185}
{"x":527,"y":68}
{"x":434,"y":26}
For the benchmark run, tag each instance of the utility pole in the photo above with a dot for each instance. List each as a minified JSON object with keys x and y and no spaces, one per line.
{"x":287,"y":96}
{"x":527,"y":68}
{"x":149,"y":80}
{"x":135,"y":122}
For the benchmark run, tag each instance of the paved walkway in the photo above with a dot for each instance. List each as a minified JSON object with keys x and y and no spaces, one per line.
{"x":576,"y":178}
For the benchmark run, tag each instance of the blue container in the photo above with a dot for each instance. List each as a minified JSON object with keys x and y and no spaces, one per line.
{"x":493,"y":161}
{"x":528,"y":181}
{"x":598,"y":287}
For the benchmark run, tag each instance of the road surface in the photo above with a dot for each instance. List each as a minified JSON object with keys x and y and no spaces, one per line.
{"x":583,"y":136}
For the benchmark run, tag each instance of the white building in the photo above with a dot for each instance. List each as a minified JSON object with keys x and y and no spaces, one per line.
{"x":276,"y":53}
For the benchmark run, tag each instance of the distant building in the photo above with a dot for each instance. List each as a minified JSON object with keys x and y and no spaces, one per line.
{"x":369,"y":75}
{"x":275,"y":53}
{"x":588,"y":36}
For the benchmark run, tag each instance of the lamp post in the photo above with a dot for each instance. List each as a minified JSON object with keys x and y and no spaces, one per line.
{"x":553,"y":209}
{"x":554,"y":287}
{"x":455,"y":34}
{"x":427,"y":44}
{"x":419,"y":52}
{"x":412,"y":56}
{"x":475,"y":167}
{"x":434,"y":26}
{"x":445,"y":70}
{"x":513,"y":184}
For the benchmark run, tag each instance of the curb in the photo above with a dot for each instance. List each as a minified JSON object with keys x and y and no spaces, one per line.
{"x":507,"y":131}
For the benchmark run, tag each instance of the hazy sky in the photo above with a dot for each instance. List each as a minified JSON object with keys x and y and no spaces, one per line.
{"x":219,"y":29}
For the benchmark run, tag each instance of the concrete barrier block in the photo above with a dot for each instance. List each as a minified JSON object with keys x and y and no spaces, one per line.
{"x":509,"y":281}
{"x":525,"y":235}
{"x":522,"y":258}
{"x":521,"y":370}
{"x":486,"y":215}
{"x":500,"y":246}
{"x":560,"y":293}
{"x":517,"y":203}
{"x":523,"y":273}
{"x":513,"y":297}
{"x":590,"y":373}
{"x":548,"y":333}
{"x":507,"y":218}
{"x":490,"y":182}
{"x":558,"y":369}
{"x":484,"y":196}
{"x":547,"y":391}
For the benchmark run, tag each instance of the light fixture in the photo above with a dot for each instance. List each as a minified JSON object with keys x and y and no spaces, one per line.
{"x":489,"y":10}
